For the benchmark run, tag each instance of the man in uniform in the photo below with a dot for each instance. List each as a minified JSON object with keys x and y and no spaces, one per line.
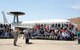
{"x":15,"y":35}
{"x":26,"y":36}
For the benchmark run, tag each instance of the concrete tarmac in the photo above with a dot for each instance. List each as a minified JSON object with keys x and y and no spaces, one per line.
{"x":7,"y":44}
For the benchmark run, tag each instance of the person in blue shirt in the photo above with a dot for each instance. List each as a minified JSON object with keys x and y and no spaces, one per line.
{"x":78,"y":35}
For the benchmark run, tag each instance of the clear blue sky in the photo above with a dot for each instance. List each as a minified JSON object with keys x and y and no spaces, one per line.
{"x":41,"y":9}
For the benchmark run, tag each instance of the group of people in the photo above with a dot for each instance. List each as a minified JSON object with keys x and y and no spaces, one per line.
{"x":54,"y":31}
{"x":65,"y":31}
{"x":5,"y":31}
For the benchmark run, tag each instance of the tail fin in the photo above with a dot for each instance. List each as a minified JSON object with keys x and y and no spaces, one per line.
{"x":5,"y":21}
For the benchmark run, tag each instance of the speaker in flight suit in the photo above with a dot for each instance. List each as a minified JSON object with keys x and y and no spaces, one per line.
{"x":15,"y":35}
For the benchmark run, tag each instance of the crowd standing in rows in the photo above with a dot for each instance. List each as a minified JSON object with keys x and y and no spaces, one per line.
{"x":54,"y":31}
{"x":5,"y":31}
